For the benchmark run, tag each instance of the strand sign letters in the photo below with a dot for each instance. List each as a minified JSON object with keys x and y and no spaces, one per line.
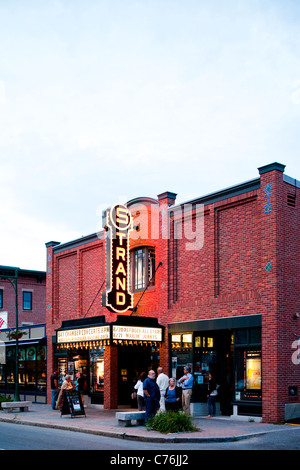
{"x":117,"y":297}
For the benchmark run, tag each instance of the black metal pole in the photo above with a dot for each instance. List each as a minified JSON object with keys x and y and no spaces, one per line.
{"x":17,"y":396}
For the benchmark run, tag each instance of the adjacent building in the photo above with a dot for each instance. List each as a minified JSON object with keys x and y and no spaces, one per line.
{"x":23,"y":300}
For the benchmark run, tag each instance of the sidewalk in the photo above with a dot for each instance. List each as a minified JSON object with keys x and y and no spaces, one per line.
{"x":103,"y":422}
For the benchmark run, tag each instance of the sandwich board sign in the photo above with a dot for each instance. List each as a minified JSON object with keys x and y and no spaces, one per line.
{"x":72,"y":404}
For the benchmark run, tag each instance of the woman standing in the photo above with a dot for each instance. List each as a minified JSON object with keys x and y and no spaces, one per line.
{"x":66,"y":385}
{"x":173,"y":396}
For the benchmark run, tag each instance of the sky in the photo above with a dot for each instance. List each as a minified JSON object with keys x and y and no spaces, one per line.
{"x":103,"y":101}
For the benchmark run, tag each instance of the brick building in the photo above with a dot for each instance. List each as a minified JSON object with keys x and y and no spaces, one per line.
{"x":214,"y":284}
{"x":30,"y":287}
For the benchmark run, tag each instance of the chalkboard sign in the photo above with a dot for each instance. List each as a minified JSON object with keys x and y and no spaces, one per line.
{"x":72,"y":404}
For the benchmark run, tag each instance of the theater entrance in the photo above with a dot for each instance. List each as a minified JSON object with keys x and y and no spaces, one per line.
{"x":132,"y":360}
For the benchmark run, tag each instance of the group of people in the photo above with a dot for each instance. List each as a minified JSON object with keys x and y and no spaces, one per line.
{"x":163,"y":393}
{"x":152,"y":395}
{"x":58,"y":392}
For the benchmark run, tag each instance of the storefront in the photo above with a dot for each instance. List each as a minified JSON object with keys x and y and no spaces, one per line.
{"x":80,"y":346}
{"x":32,"y":357}
{"x":229,"y":349}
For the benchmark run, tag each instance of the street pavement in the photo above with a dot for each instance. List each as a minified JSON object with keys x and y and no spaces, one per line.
{"x":103,"y":422}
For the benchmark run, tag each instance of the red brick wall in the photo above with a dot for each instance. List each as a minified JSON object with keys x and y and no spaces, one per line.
{"x":25,"y":283}
{"x":288,"y":294}
{"x":91,"y":277}
{"x":111,"y":377}
{"x":220,"y":279}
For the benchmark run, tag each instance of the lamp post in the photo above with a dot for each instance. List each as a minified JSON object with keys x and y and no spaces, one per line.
{"x":14,"y":282}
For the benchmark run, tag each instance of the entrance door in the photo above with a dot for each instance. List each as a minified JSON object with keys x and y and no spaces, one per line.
{"x":132,"y":360}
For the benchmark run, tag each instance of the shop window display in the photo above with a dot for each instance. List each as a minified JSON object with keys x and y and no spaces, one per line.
{"x":32,"y":369}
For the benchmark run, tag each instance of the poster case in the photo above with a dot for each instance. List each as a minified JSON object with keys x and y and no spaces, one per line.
{"x":72,"y":404}
{"x":248,"y":384}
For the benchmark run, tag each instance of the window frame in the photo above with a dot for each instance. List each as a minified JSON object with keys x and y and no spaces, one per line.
{"x":27,"y":301}
{"x":147,"y":258}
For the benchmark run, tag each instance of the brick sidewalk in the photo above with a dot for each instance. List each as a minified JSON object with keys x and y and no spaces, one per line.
{"x":103,"y":422}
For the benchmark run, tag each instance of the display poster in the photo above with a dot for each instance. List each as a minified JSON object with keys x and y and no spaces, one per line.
{"x":253,"y":371}
{"x":72,"y":404}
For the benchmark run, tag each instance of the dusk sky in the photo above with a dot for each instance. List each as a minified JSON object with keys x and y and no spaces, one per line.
{"x":103,"y":101}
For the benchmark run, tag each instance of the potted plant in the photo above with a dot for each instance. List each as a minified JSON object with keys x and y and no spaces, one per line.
{"x":16,"y":334}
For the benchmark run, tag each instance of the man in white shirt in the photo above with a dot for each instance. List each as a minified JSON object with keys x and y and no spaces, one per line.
{"x":163,"y":383}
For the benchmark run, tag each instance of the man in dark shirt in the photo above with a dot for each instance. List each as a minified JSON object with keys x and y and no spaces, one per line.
{"x":152,"y":395}
{"x":54,"y":388}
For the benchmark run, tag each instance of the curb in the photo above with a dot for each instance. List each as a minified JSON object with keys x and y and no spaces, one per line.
{"x":134,"y":437}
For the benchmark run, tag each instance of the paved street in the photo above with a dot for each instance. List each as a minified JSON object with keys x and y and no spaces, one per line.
{"x":22,"y":437}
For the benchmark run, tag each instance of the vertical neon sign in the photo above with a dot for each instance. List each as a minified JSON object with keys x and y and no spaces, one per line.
{"x":117,"y":297}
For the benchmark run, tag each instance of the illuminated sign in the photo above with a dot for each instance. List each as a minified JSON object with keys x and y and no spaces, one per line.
{"x":117,"y":297}
{"x":136,"y":333}
{"x":83,"y":334}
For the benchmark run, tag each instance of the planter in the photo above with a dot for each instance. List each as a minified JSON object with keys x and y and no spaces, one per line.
{"x":16,"y":334}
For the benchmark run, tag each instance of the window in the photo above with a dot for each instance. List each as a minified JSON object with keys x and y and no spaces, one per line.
{"x":27,"y":300}
{"x":248,"y":374}
{"x":32,"y":369}
{"x":1,"y":298}
{"x":248,"y":364}
{"x":142,"y":268}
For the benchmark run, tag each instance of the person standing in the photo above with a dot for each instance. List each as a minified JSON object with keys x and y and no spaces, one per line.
{"x":173,"y":396}
{"x":140,"y":391}
{"x":187,"y":388}
{"x":211,"y":397}
{"x":66,"y":386}
{"x":162,"y":382}
{"x":152,"y":395}
{"x":79,"y":386}
{"x":54,"y":388}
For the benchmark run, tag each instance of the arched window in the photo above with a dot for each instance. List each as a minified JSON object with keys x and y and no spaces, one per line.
{"x":142,"y":268}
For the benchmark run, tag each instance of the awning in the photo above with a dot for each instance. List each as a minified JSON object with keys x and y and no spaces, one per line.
{"x":26,"y":342}
{"x":213,"y":324}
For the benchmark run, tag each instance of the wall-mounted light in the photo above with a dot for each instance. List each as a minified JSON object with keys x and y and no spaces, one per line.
{"x":293,"y":391}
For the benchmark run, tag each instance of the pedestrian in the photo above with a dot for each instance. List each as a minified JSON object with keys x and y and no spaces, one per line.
{"x":79,"y":385}
{"x":140,"y":391}
{"x":162,"y":382}
{"x":173,"y":396}
{"x":66,"y":385}
{"x":187,"y":386}
{"x":211,"y":396}
{"x":152,"y":395}
{"x":54,"y":388}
